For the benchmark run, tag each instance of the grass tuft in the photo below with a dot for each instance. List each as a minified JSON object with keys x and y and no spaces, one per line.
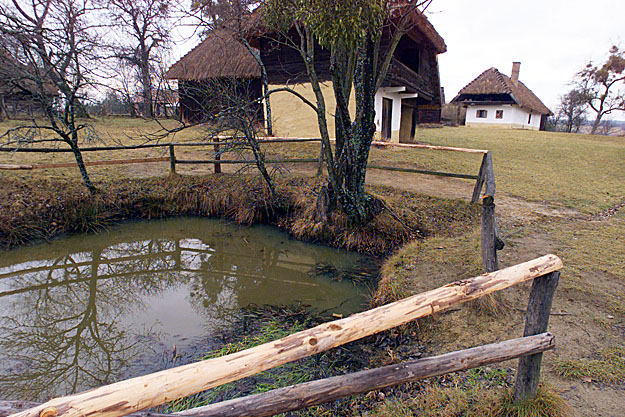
{"x":609,"y":367}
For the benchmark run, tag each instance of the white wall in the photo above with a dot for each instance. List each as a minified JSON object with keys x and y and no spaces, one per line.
{"x":513,"y":117}
{"x":393,"y":94}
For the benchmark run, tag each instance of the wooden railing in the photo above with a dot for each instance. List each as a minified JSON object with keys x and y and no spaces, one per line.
{"x":131,"y":396}
{"x":490,"y":240}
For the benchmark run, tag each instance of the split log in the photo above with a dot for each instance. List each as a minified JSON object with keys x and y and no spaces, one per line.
{"x":244,"y":161}
{"x":423,"y":171}
{"x":296,"y":397}
{"x":432,"y":147}
{"x":149,"y":145}
{"x":304,"y":395}
{"x":126,"y":397}
{"x":15,"y":167}
{"x":479,"y":184}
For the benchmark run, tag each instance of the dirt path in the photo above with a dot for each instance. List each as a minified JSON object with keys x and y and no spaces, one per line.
{"x":578,"y":323}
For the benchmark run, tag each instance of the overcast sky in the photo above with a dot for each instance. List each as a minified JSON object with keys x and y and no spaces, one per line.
{"x":552,"y":39}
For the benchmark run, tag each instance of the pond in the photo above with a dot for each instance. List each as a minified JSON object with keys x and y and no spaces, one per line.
{"x":89,"y":310}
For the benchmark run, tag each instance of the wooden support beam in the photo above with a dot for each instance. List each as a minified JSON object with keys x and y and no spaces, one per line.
{"x":151,"y":390}
{"x":423,"y":171}
{"x":172,"y":159}
{"x":536,"y":321}
{"x":490,"y":176}
{"x":300,"y":396}
{"x":488,"y":236}
{"x":479,"y":184}
{"x":296,"y":397}
{"x":217,"y":167}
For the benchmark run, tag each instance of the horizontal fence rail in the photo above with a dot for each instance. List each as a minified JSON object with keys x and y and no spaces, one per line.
{"x":296,"y":397}
{"x":130,"y":396}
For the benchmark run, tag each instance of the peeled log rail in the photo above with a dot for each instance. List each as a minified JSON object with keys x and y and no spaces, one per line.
{"x":433,"y":147}
{"x":243,"y":161}
{"x":423,"y":171}
{"x":93,"y":163}
{"x":304,"y":395}
{"x":296,"y":397}
{"x":151,"y":145}
{"x":139,"y":393}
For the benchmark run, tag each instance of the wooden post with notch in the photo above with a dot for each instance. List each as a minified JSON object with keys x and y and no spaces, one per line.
{"x":536,"y":322}
{"x":480,"y":181}
{"x":217,"y":156}
{"x":172,"y":160}
{"x":490,"y":241}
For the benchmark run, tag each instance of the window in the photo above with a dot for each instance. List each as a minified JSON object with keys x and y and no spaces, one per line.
{"x":529,"y":119}
{"x":499,"y":114}
{"x":481,"y":114}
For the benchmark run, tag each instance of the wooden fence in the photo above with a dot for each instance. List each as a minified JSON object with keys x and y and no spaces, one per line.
{"x":490,"y":240}
{"x":133,"y":395}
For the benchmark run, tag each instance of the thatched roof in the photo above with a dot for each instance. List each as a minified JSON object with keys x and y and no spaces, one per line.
{"x":420,"y":22}
{"x":219,"y":55}
{"x":17,"y":78}
{"x":493,"y":83}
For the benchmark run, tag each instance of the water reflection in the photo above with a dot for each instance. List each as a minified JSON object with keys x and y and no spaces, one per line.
{"x":88,"y":310}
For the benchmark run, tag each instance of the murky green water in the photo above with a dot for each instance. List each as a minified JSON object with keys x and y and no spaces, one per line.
{"x":92,"y":309}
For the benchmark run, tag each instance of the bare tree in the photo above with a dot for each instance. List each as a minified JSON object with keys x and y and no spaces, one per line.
{"x":571,"y":110}
{"x":602,"y":85}
{"x":145,"y":24}
{"x":54,"y":59}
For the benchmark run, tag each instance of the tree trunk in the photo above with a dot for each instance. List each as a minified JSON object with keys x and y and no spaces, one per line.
{"x":83,"y":170}
{"x":596,"y":124}
{"x":146,"y":82}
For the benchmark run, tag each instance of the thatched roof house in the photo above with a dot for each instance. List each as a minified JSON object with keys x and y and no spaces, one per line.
{"x":21,"y":91}
{"x":219,"y":55}
{"x":495,"y":99}
{"x":410,"y":94}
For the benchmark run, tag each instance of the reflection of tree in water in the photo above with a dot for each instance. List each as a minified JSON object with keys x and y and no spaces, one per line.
{"x":61,"y":333}
{"x":61,"y":326}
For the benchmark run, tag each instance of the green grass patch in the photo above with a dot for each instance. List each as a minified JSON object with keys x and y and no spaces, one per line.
{"x":608,"y":367}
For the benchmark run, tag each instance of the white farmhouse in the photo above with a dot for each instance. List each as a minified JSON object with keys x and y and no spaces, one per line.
{"x":494,"y":99}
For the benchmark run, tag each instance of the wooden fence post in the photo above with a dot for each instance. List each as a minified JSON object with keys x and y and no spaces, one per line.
{"x":480,"y":181}
{"x":536,"y":322}
{"x":490,"y":241}
{"x":217,"y":156}
{"x":172,"y":160}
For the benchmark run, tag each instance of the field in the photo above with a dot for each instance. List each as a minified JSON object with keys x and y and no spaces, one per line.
{"x":556,"y":193}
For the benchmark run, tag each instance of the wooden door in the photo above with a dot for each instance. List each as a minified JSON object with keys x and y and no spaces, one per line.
{"x":387,"y":116}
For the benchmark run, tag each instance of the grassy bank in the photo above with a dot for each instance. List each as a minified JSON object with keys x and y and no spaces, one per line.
{"x":41,"y":209}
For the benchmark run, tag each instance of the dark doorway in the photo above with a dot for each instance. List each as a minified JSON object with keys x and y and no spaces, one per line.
{"x":387,"y":116}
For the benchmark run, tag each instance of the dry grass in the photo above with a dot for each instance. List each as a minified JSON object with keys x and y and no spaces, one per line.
{"x":477,"y":401}
{"x":608,"y":366}
{"x":579,"y":171}
{"x":45,"y":208}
